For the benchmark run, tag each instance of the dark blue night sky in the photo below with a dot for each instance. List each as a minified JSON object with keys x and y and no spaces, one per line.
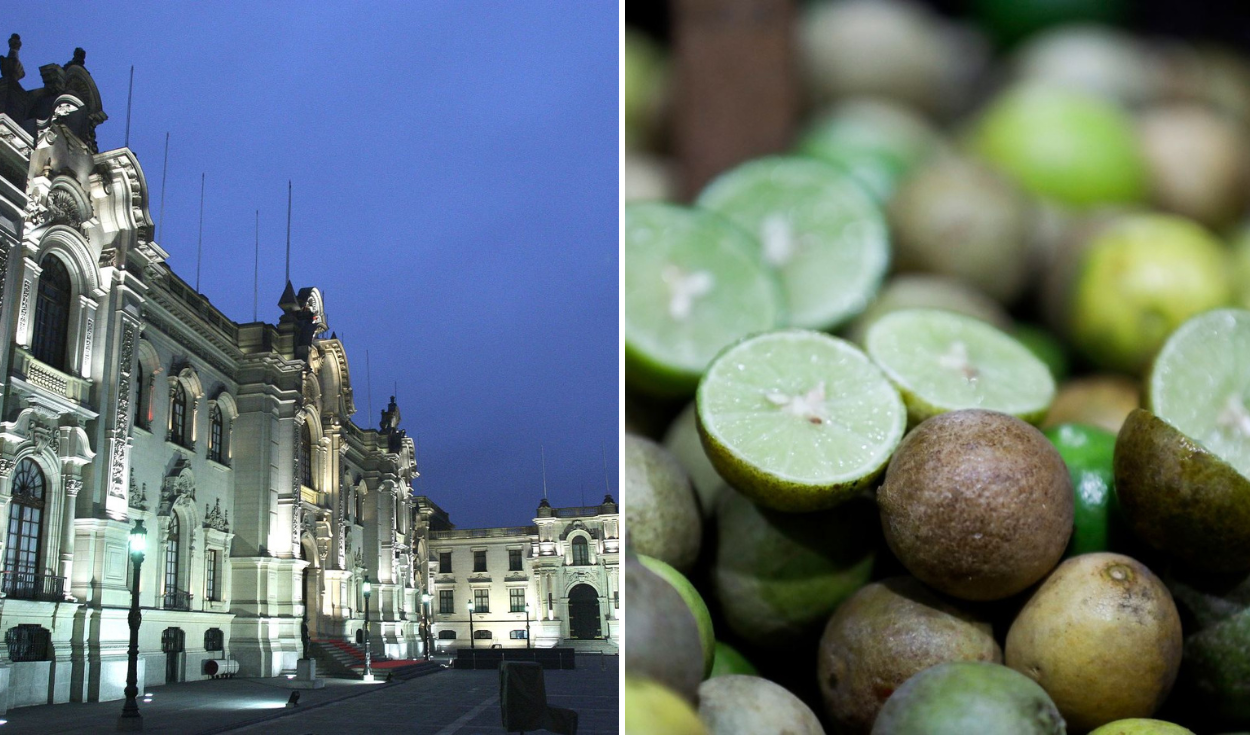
{"x":455,"y":199}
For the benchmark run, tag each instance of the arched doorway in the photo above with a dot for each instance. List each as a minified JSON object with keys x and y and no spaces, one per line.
{"x":584,"y":613}
{"x":310,"y":588}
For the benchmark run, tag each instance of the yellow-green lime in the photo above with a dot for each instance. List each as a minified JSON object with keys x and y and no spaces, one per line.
{"x":824,"y":236}
{"x":1141,"y":726}
{"x":694,"y":283}
{"x":654,"y":709}
{"x":941,"y":361}
{"x":728,"y":660}
{"x":798,"y":420}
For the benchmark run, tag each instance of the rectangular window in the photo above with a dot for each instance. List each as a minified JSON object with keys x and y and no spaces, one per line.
{"x":516,"y":600}
{"x":479,"y":561}
{"x":517,"y":635}
{"x":446,"y":602}
{"x":481,"y":601}
{"x":444,"y":562}
{"x":616,"y":600}
{"x":210,"y":576}
{"x":550,"y":603}
{"x":514,"y":560}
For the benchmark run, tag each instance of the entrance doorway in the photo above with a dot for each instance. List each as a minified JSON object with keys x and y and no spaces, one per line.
{"x":584,"y":613}
{"x":172,"y":643}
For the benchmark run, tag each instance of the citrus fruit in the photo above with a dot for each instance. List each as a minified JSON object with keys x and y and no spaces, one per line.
{"x":693,"y":599}
{"x":969,"y":698}
{"x":798,"y":420}
{"x":941,"y":361}
{"x":1088,"y":451}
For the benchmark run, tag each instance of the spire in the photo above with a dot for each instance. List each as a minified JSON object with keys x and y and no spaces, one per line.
{"x":288,"y":302}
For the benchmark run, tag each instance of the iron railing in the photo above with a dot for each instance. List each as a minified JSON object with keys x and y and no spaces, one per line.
{"x":31,"y":586}
{"x":176,"y":599}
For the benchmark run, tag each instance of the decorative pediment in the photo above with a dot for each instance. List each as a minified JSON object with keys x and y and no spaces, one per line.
{"x":177,"y":486}
{"x":216,"y":518}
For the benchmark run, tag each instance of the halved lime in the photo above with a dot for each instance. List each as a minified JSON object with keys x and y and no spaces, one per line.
{"x":816,"y":226}
{"x":1200,"y":384}
{"x":798,"y":420}
{"x":941,"y":361}
{"x":693,"y":284}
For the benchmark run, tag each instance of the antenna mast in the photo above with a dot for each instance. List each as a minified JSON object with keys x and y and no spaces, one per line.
{"x":288,"y":237}
{"x":256,"y":270}
{"x":129,"y":96}
{"x":606,"y":482}
{"x":160,"y":225}
{"x":544,"y":453}
{"x":199,"y":248}
{"x":369,"y":384}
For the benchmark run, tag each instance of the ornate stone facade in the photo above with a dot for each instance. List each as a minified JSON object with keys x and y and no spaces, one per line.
{"x":239,"y":533}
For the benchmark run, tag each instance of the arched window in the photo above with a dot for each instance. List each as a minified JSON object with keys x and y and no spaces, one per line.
{"x":178,"y":433}
{"x":143,"y":400}
{"x":581,"y":551}
{"x":22,"y":549}
{"x":446,"y":635}
{"x":171,"y":562}
{"x":215,"y":435}
{"x":305,"y":456}
{"x":481,"y":634}
{"x":52,"y":314}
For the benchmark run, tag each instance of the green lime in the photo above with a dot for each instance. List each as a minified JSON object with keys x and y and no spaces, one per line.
{"x":1045,"y":346}
{"x":876,"y":142}
{"x":942,"y":361}
{"x":682,"y":439}
{"x":729,"y":661}
{"x":694,"y":283}
{"x":928,"y":291}
{"x":1063,"y":145}
{"x":653,"y":709}
{"x":798,"y":420}
{"x":698,"y":608}
{"x":1200,"y":384}
{"x":1241,"y":267}
{"x":816,"y":226}
{"x":1139,"y":279}
{"x":1141,"y":726}
{"x":1010,"y":20}
{"x":645,"y":77}
{"x":1088,"y":453}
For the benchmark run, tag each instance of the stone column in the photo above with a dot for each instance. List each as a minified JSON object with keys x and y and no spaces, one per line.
{"x":117,"y":435}
{"x":73,"y":484}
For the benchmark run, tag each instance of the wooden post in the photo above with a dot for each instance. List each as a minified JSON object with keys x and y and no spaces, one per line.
{"x":736,"y":92}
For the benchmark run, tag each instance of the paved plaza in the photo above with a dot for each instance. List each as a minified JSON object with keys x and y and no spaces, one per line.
{"x":446,"y":703}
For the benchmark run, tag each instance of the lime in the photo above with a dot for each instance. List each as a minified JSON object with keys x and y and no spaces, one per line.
{"x":693,"y":284}
{"x":728,"y":661}
{"x":682,"y":439}
{"x":928,"y":291}
{"x":1200,"y":384}
{"x":816,"y":226}
{"x":1140,"y":278}
{"x":645,"y":76}
{"x":1063,"y":145}
{"x":1088,"y":452}
{"x":1141,"y":726}
{"x":875,"y":142}
{"x":654,"y":709}
{"x":698,"y":608}
{"x":798,"y":420}
{"x":1241,"y":267}
{"x":942,"y":361}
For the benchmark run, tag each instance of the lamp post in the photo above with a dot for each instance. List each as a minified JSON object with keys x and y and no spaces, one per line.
{"x":527,"y":623}
{"x":425,"y":623}
{"x":367,"y":589}
{"x":472,"y":640}
{"x":131,"y":720}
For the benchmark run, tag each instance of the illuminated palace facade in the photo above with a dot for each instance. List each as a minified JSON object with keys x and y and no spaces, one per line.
{"x":126,"y":396}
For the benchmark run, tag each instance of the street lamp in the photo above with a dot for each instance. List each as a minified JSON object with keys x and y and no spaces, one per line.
{"x":367,"y":589}
{"x":527,"y":623}
{"x":472,"y":640}
{"x":131,"y":720}
{"x":425,"y":623}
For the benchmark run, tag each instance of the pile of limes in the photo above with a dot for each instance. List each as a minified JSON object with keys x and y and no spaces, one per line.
{"x":939,"y":422}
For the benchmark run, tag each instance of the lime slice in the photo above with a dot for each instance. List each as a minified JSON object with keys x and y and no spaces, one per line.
{"x":693,"y":284}
{"x":798,"y":420}
{"x":816,"y":226}
{"x":942,"y":361}
{"x":1200,"y":384}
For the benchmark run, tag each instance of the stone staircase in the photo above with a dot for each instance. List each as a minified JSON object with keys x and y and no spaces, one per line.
{"x":347,"y":661}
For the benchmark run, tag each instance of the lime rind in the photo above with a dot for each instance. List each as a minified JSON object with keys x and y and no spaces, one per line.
{"x":941,"y":361}
{"x":798,"y":420}
{"x":693,"y":284}
{"x":1200,"y":384}
{"x":817,"y":227}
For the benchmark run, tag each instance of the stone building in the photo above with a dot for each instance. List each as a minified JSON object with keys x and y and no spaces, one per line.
{"x":126,"y":396}
{"x":566,"y":567}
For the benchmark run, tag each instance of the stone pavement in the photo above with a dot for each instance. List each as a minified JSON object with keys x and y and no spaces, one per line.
{"x":447,"y":703}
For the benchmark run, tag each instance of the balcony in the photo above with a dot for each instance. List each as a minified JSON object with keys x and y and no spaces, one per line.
{"x":176,"y":599}
{"x":42,"y":375}
{"x":31,"y":586}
